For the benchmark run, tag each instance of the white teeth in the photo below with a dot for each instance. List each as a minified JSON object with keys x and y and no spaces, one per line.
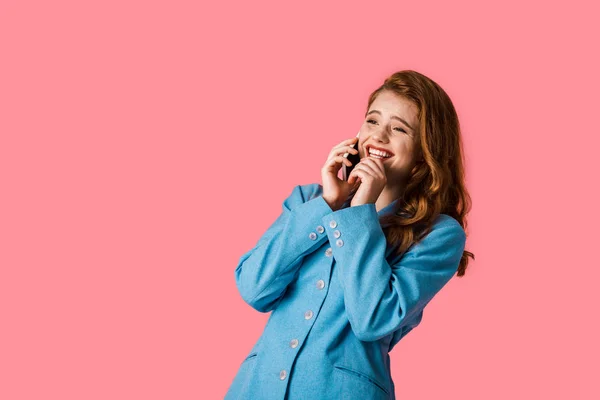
{"x":379,"y":153}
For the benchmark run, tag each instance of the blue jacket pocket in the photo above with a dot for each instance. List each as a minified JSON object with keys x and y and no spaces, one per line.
{"x":359,"y":383}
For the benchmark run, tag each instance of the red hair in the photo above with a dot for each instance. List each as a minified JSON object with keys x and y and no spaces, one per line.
{"x":437,"y":183}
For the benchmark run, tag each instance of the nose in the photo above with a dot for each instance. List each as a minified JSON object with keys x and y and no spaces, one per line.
{"x":381,"y":135}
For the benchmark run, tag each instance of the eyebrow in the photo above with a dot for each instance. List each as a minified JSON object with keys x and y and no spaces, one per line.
{"x":393,"y":117}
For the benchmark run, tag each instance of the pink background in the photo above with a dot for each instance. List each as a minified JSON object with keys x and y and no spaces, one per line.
{"x":146,"y":145}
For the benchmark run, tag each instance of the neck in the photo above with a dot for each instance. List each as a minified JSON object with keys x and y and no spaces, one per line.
{"x":386,"y":197}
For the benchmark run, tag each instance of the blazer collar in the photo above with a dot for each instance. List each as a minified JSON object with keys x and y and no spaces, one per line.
{"x":389,"y":209}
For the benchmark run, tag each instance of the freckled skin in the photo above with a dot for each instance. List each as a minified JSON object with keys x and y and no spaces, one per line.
{"x":381,"y":130}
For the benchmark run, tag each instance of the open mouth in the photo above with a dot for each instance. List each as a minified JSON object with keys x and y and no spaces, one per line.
{"x":379,"y":154}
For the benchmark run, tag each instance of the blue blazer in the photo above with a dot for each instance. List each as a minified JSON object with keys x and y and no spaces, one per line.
{"x":339,"y":299}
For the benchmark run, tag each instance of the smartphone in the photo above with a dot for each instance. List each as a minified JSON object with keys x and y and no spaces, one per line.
{"x":353,"y":158}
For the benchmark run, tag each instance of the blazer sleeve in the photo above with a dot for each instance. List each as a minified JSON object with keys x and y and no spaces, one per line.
{"x":264,"y":272}
{"x":381,"y":298}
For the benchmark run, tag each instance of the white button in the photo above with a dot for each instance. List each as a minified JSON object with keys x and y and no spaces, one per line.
{"x":339,"y":242}
{"x":282,"y":374}
{"x":308,"y":314}
{"x":320,"y":229}
{"x":294,"y":343}
{"x":320,"y":284}
{"x":312,"y":236}
{"x":332,"y":224}
{"x":328,"y":252}
{"x":336,"y":233}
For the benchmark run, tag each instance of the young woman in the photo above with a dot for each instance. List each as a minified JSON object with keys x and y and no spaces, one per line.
{"x":349,"y":266}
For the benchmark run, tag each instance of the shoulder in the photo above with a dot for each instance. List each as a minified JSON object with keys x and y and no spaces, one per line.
{"x":302,"y":193}
{"x":307,"y":191}
{"x":446,"y":238}
{"x":449,"y":229}
{"x":313,"y":190}
{"x":450,"y":224}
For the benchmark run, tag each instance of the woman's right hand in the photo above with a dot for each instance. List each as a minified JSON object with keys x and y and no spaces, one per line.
{"x":336,"y":190}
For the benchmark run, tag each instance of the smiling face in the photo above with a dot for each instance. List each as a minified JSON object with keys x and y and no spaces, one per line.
{"x":391,"y":124}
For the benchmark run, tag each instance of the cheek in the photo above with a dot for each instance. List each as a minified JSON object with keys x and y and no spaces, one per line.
{"x":361,"y":150}
{"x":406,"y":152}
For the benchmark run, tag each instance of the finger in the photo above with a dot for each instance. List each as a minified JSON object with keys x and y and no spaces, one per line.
{"x":358,"y":177}
{"x":354,"y":180}
{"x":351,"y":178}
{"x":358,"y":173}
{"x":341,"y":153}
{"x":342,"y":150}
{"x":369,"y":170}
{"x":344,"y":160}
{"x":375,"y":165}
{"x":347,"y":142}
{"x":338,"y":160}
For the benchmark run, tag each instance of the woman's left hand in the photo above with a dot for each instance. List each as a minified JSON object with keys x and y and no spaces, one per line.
{"x":371,"y":173}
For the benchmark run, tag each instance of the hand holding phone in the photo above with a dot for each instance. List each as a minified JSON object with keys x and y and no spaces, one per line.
{"x":335,"y":190}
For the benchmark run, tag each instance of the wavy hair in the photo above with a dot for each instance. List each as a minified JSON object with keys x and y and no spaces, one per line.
{"x":437,"y":183}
